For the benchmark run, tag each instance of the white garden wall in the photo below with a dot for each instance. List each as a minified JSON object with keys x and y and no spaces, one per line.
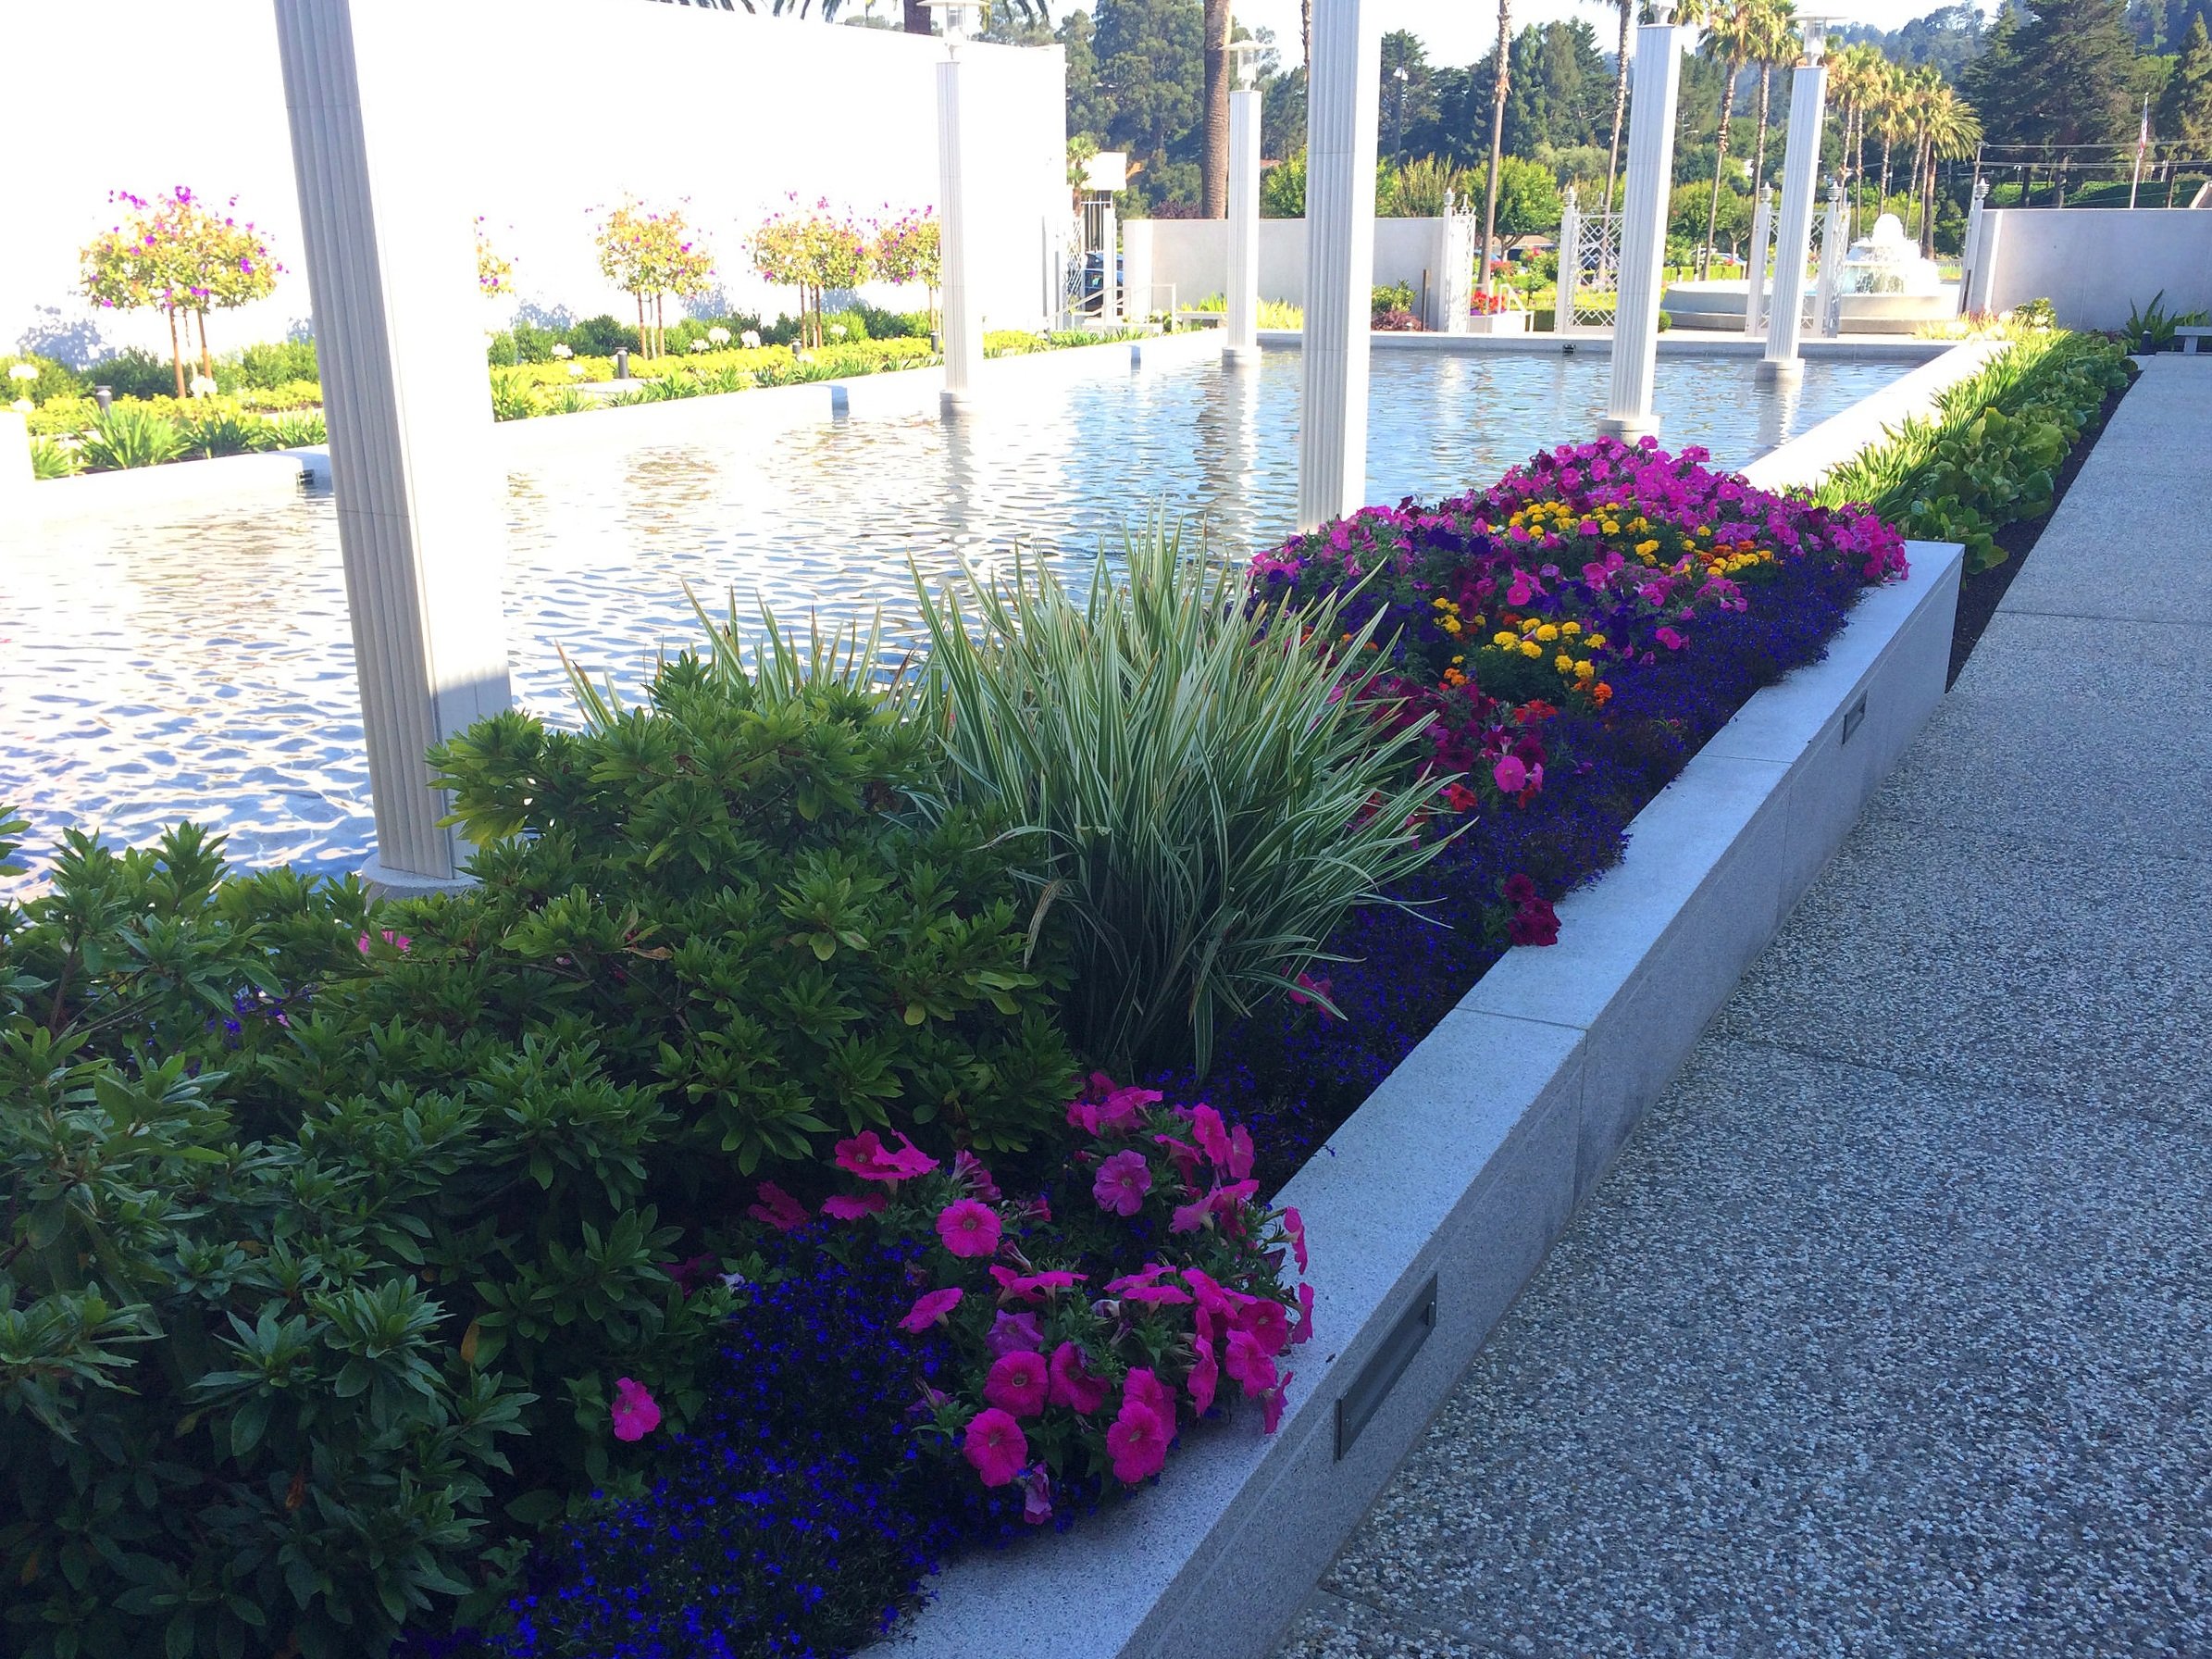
{"x":2093,"y":263}
{"x":1193,"y":254}
{"x":579,"y":101}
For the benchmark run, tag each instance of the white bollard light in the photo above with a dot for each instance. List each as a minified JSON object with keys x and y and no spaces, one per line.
{"x":959,"y":295}
{"x":1650,"y":181}
{"x":1340,"y":154}
{"x":1240,"y":327}
{"x":392,"y":270}
{"x":1801,"y":180}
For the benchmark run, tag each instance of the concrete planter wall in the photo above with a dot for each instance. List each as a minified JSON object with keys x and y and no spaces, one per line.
{"x":1433,"y":1203}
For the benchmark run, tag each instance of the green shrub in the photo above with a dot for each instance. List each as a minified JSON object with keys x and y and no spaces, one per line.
{"x":1202,"y":791}
{"x":130,"y":435}
{"x":894,"y":325}
{"x":62,"y":417}
{"x":286,"y":394}
{"x":1396,"y":296}
{"x":736,"y":889}
{"x":228,"y":432}
{"x":278,"y":364}
{"x":298,"y":431}
{"x":600,"y":336}
{"x":53,"y":381}
{"x":135,"y":372}
{"x":512,"y":398}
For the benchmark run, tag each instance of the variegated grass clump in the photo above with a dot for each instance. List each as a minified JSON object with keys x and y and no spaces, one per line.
{"x":1208,"y":790}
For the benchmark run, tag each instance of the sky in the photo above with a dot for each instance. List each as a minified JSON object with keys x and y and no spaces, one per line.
{"x":1458,"y":31}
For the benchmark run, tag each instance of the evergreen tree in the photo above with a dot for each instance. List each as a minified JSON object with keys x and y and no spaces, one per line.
{"x":2184,"y":118}
{"x":2072,"y":74}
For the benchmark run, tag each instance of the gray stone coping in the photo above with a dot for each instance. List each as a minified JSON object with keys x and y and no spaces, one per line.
{"x":1600,"y":343}
{"x":1431,"y":1206}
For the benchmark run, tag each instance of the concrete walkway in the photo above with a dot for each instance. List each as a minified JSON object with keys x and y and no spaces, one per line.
{"x":1890,"y":1332}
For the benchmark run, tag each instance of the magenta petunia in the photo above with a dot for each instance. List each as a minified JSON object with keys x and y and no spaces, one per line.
{"x":1250,"y":1364}
{"x":1205,"y":1376}
{"x":931,"y":1308}
{"x":1509,"y":774}
{"x":1294,"y":1229}
{"x":865,"y":1156}
{"x":1137,"y":1443}
{"x":1122,"y":1181}
{"x":969,"y":1171}
{"x":1212,"y":1134}
{"x":841,"y":1208}
{"x":1037,"y":1498}
{"x":968,"y":1227}
{"x":1074,"y":1384}
{"x":778,"y":1208}
{"x":1267,"y":1322}
{"x":1271,"y":1405}
{"x":1144,"y":1386}
{"x":995,"y":1446}
{"x":1010,"y":1333}
{"x":635,"y":1411}
{"x":1032,"y":1287}
{"x":1018,"y":1383}
{"x":1305,"y":1314}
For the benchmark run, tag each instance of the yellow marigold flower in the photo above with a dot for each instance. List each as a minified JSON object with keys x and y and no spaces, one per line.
{"x":1585,"y":668}
{"x":1546,"y":632}
{"x":1596,"y":641}
{"x":1530,"y":648}
{"x":1505,"y":639}
{"x":1570,"y":627}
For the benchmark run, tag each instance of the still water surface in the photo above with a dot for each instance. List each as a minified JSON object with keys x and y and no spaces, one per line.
{"x":201,"y":666}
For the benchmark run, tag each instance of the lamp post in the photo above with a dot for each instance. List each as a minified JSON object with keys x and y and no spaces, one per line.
{"x":1240,"y":330}
{"x":1650,"y":181}
{"x":1800,"y":184}
{"x":1397,"y":131}
{"x":1340,"y":145}
{"x":963,"y":315}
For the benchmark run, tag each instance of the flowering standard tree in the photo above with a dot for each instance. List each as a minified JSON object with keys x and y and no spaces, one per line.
{"x":651,"y":253}
{"x":813,"y":250}
{"x":495,"y":271}
{"x":910,"y":249}
{"x":177,"y":255}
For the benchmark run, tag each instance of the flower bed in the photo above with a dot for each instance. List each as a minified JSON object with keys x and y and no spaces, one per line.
{"x":703,"y":1210}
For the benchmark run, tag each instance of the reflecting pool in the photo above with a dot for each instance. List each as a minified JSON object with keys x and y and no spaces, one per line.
{"x":201,"y":665}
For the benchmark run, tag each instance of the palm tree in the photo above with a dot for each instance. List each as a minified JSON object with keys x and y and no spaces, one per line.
{"x":1730,"y":27}
{"x":1497,"y":132}
{"x":1853,"y":76}
{"x":1949,"y":129}
{"x":1774,"y":42}
{"x":1890,"y":99}
{"x":1215,"y":186}
{"x":1627,"y":9}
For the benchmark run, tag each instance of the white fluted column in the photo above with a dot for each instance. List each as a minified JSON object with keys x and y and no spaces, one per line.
{"x":1755,"y":266}
{"x":1800,"y":183}
{"x":963,"y":315}
{"x":1110,"y":299}
{"x":391,"y":270}
{"x":1969,"y":265}
{"x":1240,"y":329}
{"x":1833,"y":238}
{"x":1340,"y":144}
{"x":1650,"y":183}
{"x":1570,"y":264}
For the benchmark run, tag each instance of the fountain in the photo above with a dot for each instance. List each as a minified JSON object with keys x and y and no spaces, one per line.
{"x":1884,"y":288}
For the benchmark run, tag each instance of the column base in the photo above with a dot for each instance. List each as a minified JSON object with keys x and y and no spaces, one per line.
{"x":953,"y":403}
{"x":1628,"y":427}
{"x":384,"y":882}
{"x":1240,"y":356}
{"x":1781,"y":369}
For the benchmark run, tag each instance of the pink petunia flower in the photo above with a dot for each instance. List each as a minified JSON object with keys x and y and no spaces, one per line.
{"x":1205,"y":1376}
{"x":1036,"y":1500}
{"x":1011,"y":1333}
{"x":1122,"y":1181}
{"x":968,"y":1227}
{"x":1305,"y":1311}
{"x":1212,"y":1134}
{"x":1250,"y":1364}
{"x":1033,"y":1286}
{"x":778,"y":1208}
{"x":1509,"y":773}
{"x":1137,"y":1443}
{"x":1271,"y":1405}
{"x":995,"y":1446}
{"x":931,"y":1308}
{"x":1263,"y":1318}
{"x":635,"y":1411}
{"x":1074,"y":1384}
{"x":1143,"y":1385}
{"x":969,"y":1171}
{"x":865,"y":1156}
{"x":1294,"y":1229}
{"x":1018,"y":1383}
{"x":841,"y":1208}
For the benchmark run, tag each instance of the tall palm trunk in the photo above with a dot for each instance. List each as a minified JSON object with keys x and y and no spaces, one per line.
{"x":1214,"y":187}
{"x":1758,"y":147}
{"x":1305,"y":35}
{"x":1859,"y":168}
{"x":1612,"y":158}
{"x":1881,"y":196}
{"x":1497,"y":131}
{"x":1712,"y":214}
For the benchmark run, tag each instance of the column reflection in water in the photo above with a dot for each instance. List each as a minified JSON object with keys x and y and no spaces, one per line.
{"x":1777,"y":402}
{"x":1228,"y":452}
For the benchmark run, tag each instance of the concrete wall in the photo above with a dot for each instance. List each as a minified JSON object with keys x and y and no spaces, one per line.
{"x":1193,"y":254}
{"x":2093,"y":263}
{"x":580,"y":100}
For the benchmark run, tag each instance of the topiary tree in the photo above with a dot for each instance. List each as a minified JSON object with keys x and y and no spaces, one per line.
{"x":178,"y":256}
{"x":652,"y":254}
{"x":813,"y":250}
{"x":911,"y":249}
